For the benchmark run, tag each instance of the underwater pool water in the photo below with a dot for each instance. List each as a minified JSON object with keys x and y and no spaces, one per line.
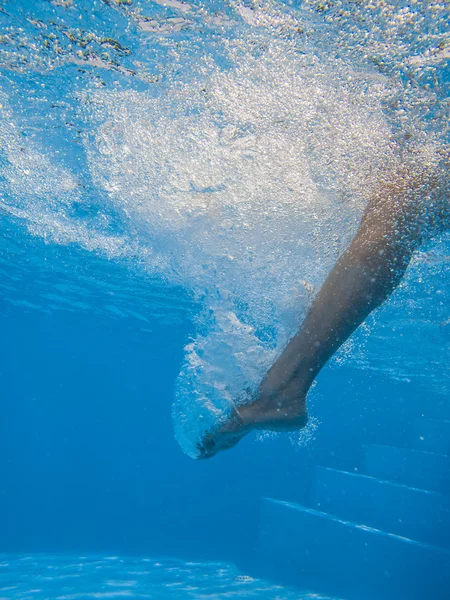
{"x":177,"y":179}
{"x":83,"y":577}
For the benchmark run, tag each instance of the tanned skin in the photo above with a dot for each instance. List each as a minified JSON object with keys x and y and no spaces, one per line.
{"x":362,"y":279}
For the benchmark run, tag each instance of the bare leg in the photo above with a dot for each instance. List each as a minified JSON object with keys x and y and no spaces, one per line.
{"x":362,"y":279}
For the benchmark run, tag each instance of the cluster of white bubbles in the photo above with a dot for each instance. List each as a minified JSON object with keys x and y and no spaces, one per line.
{"x":241,"y":181}
{"x":250,"y":181}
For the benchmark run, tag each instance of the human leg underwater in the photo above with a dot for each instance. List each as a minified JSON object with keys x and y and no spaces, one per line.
{"x":363,"y":278}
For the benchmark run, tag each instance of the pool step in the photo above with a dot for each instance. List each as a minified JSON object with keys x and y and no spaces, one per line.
{"x":415,"y":513}
{"x":414,"y":468}
{"x":322,"y":552}
{"x":431,"y":435}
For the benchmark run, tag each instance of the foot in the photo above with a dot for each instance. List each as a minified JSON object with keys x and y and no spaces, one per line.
{"x":275,"y":409}
{"x":226,"y":436}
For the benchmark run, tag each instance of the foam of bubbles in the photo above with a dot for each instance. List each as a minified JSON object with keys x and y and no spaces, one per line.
{"x":42,"y":193}
{"x":244,"y":177}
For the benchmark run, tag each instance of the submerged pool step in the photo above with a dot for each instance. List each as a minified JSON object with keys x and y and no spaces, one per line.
{"x":415,"y":468}
{"x":415,"y":513}
{"x":432,"y":435}
{"x":318,"y":551}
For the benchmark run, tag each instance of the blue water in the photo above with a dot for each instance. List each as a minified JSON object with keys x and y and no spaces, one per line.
{"x":176,"y":181}
{"x":66,"y":577}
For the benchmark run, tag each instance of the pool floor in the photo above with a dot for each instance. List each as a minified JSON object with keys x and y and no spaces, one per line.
{"x":70,"y":577}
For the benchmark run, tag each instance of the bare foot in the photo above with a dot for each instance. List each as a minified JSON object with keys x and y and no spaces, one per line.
{"x":276,"y":408}
{"x":224,"y":437}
